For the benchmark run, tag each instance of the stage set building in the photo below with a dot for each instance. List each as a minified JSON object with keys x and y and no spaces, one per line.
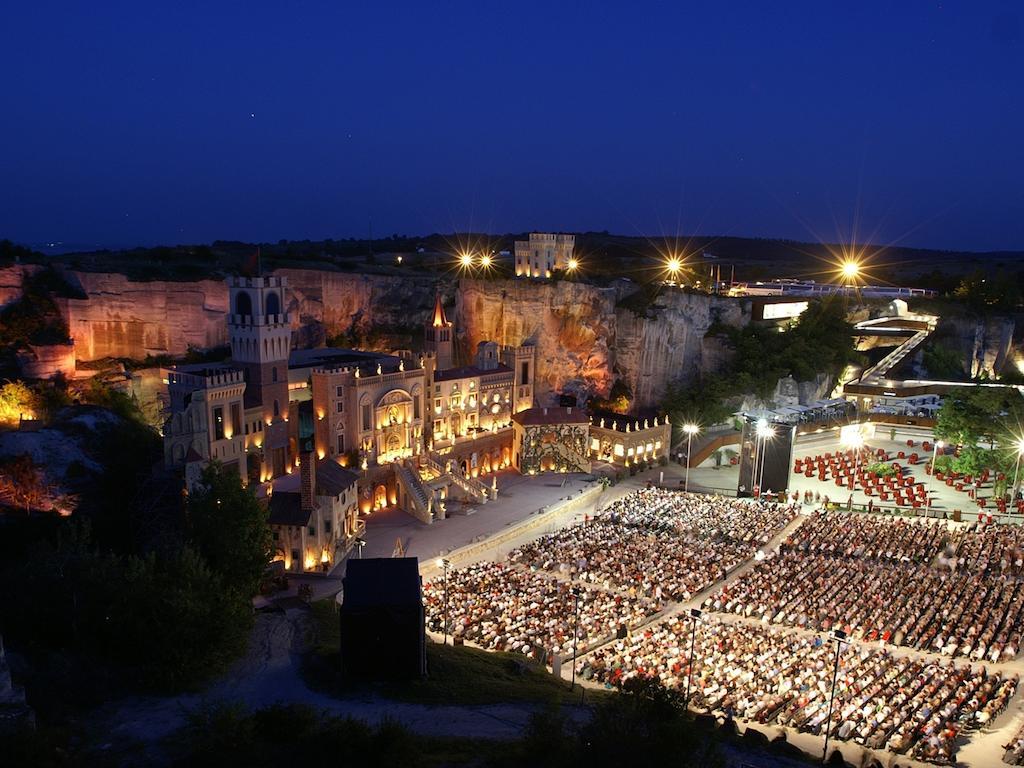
{"x":411,"y":432}
{"x":566,"y":439}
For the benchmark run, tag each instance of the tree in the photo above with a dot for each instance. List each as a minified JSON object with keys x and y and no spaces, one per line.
{"x":972,"y":415}
{"x":703,"y":402}
{"x":17,"y":400}
{"x":228,"y":526}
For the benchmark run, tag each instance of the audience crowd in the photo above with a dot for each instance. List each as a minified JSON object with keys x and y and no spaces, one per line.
{"x":502,"y":608}
{"x":659,"y":544}
{"x":947,"y":589}
{"x":918,"y":584}
{"x":909,"y":705}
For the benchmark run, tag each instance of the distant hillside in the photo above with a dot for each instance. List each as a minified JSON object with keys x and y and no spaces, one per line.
{"x":603,"y":256}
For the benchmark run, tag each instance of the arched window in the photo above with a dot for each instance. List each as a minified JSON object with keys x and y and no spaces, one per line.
{"x":273,"y":304}
{"x":277,"y":409}
{"x":243,"y":303}
{"x":273,"y":374}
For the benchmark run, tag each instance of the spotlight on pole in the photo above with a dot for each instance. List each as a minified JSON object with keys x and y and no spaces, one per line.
{"x":690,"y":430}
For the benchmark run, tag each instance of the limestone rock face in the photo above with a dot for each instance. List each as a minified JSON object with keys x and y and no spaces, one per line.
{"x":45,"y":362}
{"x":668,"y":344}
{"x":571,"y":324}
{"x":327,"y":303}
{"x":11,"y":281}
{"x":987,"y":345}
{"x":124,"y":318}
{"x":584,"y":340}
{"x":132,"y":319}
{"x":790,"y":392}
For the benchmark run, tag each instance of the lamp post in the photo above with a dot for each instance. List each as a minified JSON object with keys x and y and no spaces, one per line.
{"x":1016,"y":471}
{"x":764,"y":432}
{"x":690,"y":430}
{"x":838,"y":637}
{"x":444,"y":564}
{"x":931,"y":477}
{"x":576,"y":591}
{"x":694,"y":614}
{"x":360,"y":543}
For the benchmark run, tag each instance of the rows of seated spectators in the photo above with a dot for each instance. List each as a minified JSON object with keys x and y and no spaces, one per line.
{"x":718,"y":518}
{"x":653,"y":564}
{"x":502,"y":608}
{"x":909,"y":705}
{"x":840,"y":534}
{"x":659,"y":544}
{"x":917,"y":584}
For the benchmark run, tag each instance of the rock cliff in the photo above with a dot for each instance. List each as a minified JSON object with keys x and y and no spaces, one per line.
{"x":123,"y":318}
{"x":130,"y":319}
{"x":584,"y":340}
{"x":324,"y":304}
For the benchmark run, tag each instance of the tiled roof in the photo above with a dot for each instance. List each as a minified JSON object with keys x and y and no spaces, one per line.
{"x":286,"y":509}
{"x":332,"y":479}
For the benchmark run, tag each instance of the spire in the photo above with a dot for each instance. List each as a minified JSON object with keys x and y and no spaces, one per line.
{"x":439,"y":317}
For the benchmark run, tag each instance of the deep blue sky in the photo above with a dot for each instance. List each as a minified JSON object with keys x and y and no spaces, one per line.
{"x":147,"y":122}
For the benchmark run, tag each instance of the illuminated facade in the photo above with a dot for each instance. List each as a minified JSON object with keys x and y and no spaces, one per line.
{"x":317,"y":524}
{"x":372,"y":412}
{"x":625,"y":440}
{"x":551,"y":440}
{"x":206,"y":415}
{"x":543,"y":253}
{"x":413,"y":430}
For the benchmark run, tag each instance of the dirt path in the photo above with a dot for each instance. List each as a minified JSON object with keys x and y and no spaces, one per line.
{"x":269,"y":674}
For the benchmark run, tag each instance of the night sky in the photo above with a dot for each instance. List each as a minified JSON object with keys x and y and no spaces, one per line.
{"x":176,"y":122}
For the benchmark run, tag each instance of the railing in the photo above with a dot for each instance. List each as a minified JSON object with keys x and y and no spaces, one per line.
{"x":470,"y":485}
{"x":422,"y":503}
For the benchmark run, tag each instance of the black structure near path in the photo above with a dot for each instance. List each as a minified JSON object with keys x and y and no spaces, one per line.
{"x":383,"y":620}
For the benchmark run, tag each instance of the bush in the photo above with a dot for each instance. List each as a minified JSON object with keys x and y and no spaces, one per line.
{"x":880,"y":468}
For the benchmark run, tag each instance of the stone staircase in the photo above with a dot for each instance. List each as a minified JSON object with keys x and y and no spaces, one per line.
{"x":475,"y":488}
{"x":421,"y":500}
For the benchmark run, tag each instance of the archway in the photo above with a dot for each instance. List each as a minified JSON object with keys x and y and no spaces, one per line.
{"x":380,"y":497}
{"x":392,"y":443}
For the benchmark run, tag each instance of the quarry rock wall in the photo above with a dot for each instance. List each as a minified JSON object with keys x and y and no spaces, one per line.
{"x":324,"y":304}
{"x":585,"y":341}
{"x":125,"y":318}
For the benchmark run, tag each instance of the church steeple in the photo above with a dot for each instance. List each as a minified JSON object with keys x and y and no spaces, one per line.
{"x":439,"y":337}
{"x":440,"y":320}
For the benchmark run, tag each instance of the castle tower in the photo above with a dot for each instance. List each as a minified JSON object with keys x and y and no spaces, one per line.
{"x":438,"y":338}
{"x":261,"y":341}
{"x":523,"y":361}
